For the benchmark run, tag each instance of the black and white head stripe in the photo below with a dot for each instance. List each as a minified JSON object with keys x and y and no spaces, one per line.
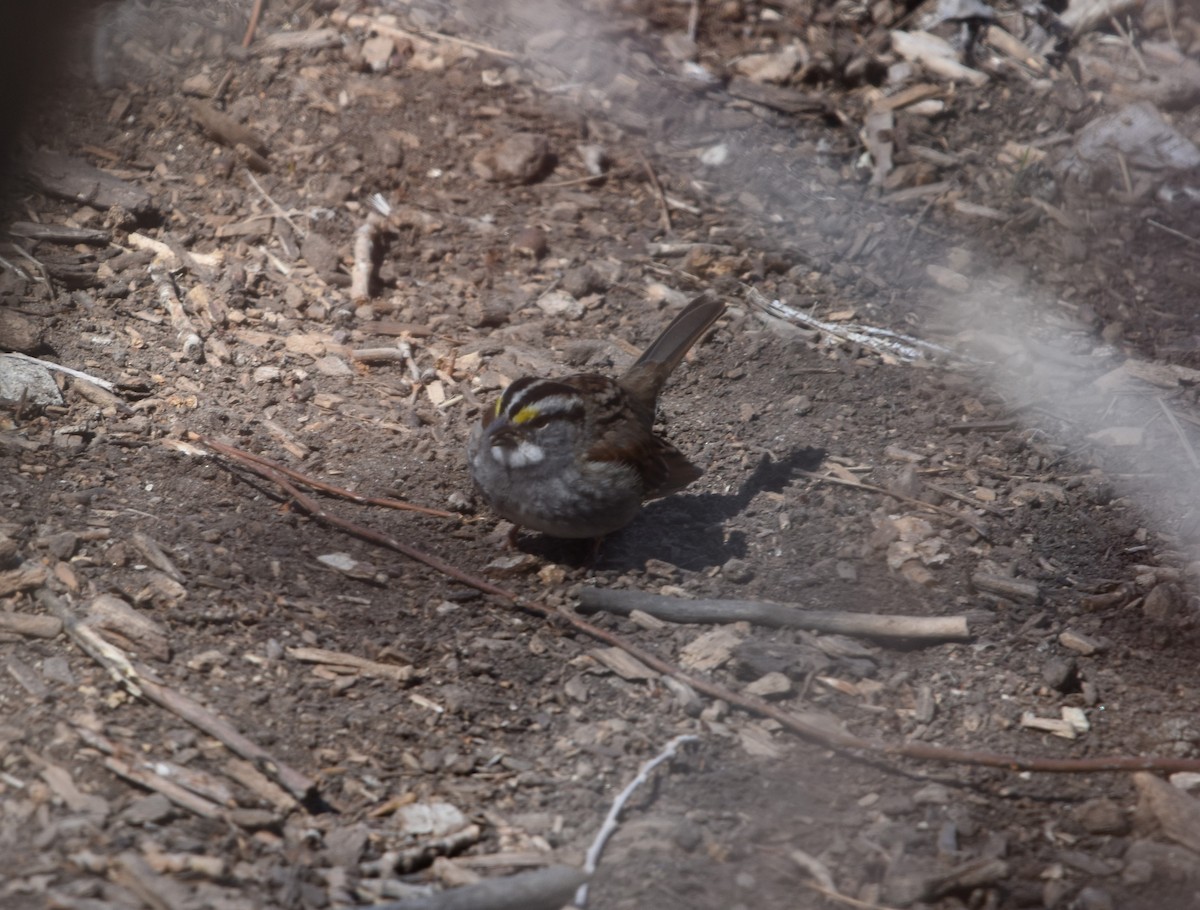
{"x":531,"y":399}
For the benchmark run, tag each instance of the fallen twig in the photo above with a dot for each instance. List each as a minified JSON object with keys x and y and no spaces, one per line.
{"x":140,"y":682}
{"x":363,"y":269}
{"x":618,"y":805}
{"x":664,"y":210}
{"x":871,"y":625}
{"x":970,"y":520}
{"x":190,"y":344}
{"x":147,"y":774}
{"x":419,"y":37}
{"x":258,"y":461}
{"x":1187,"y":443}
{"x":394,"y":672}
{"x":280,"y":211}
{"x":541,"y":889}
{"x":811,"y":726}
{"x":882,"y":341}
{"x":50,"y":365}
{"x":252,"y":25}
{"x":224,"y":129}
{"x":1174,"y":233}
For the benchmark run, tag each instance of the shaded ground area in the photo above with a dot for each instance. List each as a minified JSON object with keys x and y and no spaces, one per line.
{"x":190,"y":227}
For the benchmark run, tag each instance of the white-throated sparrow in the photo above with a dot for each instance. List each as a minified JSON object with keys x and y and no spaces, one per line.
{"x":577,"y":456}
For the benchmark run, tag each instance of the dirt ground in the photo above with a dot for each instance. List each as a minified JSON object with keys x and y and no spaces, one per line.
{"x":560,"y":179}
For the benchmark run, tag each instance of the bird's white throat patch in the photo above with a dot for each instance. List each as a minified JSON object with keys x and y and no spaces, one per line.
{"x":525,"y":454}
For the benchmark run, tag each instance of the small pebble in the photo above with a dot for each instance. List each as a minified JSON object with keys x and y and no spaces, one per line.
{"x":738,"y":571}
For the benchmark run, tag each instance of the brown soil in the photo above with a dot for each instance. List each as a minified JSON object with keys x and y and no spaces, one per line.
{"x":512,"y":719}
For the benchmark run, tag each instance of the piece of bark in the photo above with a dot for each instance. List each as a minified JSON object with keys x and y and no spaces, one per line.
{"x":223,"y":128}
{"x":31,"y":625}
{"x":27,"y":678}
{"x":924,"y":628}
{"x":541,"y":889}
{"x":188,"y":337}
{"x":70,"y":178}
{"x":131,"y":629}
{"x":258,"y":783}
{"x":25,"y":577}
{"x":395,"y":672}
{"x":973,"y":874}
{"x":58,"y":233}
{"x":156,"y":556}
{"x":1019,"y":589}
{"x":140,"y":683}
{"x":777,"y":97}
{"x":312,"y":40}
{"x":624,"y":665}
{"x":1177,"y":813}
{"x":124,"y":764}
{"x":158,"y":892}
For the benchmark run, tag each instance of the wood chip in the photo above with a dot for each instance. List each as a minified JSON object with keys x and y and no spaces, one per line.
{"x":223,"y":128}
{"x":623,"y":664}
{"x":394,"y":672}
{"x":129,"y":628}
{"x":30,"y":625}
{"x":710,"y":650}
{"x":1019,"y":589}
{"x":1174,"y":810}
{"x":70,"y":178}
{"x":26,"y":577}
{"x":1080,"y":643}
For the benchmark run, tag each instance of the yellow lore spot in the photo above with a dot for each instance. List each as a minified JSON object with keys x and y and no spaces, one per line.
{"x":525,"y":415}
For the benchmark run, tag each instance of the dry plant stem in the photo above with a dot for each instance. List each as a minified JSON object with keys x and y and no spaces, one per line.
{"x":364,"y":256}
{"x":664,"y":210}
{"x":590,"y":178}
{"x":122,"y":766}
{"x":310,"y":482}
{"x":189,"y":339}
{"x":614,"y":812}
{"x":279,"y":210}
{"x":812,"y":728}
{"x":776,"y":615}
{"x":969,"y":520}
{"x":962,"y":497}
{"x":840,"y":898}
{"x":541,"y":889}
{"x":417,"y":36}
{"x":252,"y":26}
{"x":50,"y":365}
{"x":1187,"y":443}
{"x":1174,"y":233}
{"x":141,"y":684}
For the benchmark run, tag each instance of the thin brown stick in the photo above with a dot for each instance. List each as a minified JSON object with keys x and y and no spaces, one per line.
{"x":664,"y":210}
{"x":122,"y":763}
{"x":256,"y":461}
{"x":1174,"y":233}
{"x":252,"y":26}
{"x":962,"y":497}
{"x":1184,"y":441}
{"x":840,"y":898}
{"x":418,"y":36}
{"x":812,"y":727}
{"x":970,"y":520}
{"x":139,"y":681}
{"x":777,"y":615}
{"x":590,"y":178}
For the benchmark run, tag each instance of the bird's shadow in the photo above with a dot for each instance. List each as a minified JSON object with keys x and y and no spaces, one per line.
{"x":685,"y":530}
